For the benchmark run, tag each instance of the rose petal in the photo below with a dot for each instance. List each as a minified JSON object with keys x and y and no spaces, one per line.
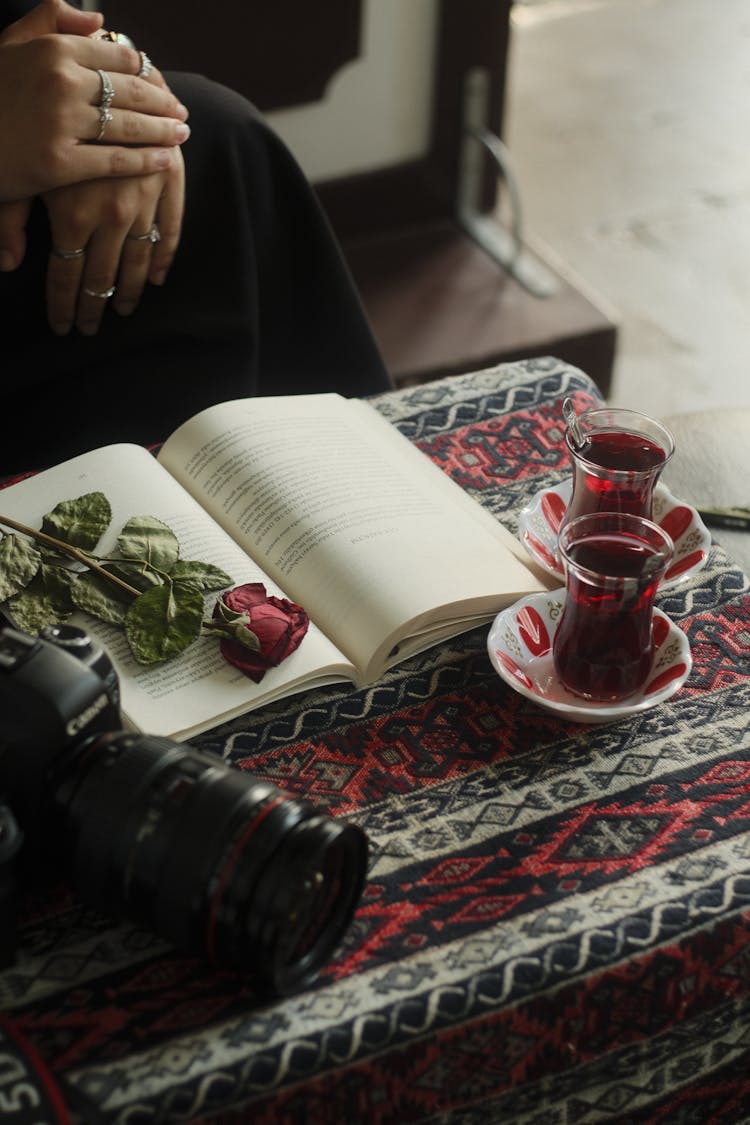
{"x":278,"y":624}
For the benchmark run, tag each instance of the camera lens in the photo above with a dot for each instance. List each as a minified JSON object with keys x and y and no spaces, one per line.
{"x":10,"y":844}
{"x":213,"y":859}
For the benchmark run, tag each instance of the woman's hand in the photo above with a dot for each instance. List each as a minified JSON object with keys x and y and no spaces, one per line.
{"x":50,"y":92}
{"x":54,"y":15}
{"x":109,"y":220}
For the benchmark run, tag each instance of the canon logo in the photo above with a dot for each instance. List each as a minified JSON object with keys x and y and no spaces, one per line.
{"x":80,"y":721}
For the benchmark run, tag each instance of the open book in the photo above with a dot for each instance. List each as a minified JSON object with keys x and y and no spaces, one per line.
{"x":324,"y":501}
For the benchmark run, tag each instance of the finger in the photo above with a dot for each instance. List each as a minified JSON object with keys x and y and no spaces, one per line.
{"x":122,"y":127}
{"x":94,"y":162}
{"x":64,"y":272}
{"x":169,"y":215}
{"x":73,"y":21}
{"x":98,"y":283}
{"x":146,"y":70}
{"x":128,"y":91}
{"x":137,"y":252}
{"x":13,"y":219}
{"x":156,"y":78}
{"x":49,"y":17}
{"x":95,"y":52}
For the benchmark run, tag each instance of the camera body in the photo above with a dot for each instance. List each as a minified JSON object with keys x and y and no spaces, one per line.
{"x":213,"y":859}
{"x":56,"y":691}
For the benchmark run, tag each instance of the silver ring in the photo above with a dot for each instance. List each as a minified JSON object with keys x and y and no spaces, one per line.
{"x":153,"y":235}
{"x":104,"y":118}
{"x":104,"y":295}
{"x":108,"y":90}
{"x":146,"y":65}
{"x":68,"y":255}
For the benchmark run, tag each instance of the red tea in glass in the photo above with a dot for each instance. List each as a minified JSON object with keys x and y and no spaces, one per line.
{"x":613,"y":562}
{"x":617,"y":462}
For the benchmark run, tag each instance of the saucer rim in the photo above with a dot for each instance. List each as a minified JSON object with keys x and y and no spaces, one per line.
{"x":661,"y":490}
{"x":583,"y":711}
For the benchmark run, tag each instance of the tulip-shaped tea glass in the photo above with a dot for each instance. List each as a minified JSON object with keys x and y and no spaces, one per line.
{"x":603,"y":648}
{"x":617,"y":461}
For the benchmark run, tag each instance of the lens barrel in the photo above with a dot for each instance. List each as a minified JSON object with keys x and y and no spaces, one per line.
{"x":213,"y":859}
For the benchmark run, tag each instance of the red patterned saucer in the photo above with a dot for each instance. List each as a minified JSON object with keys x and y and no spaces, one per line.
{"x":539,"y":525}
{"x":519,"y":644}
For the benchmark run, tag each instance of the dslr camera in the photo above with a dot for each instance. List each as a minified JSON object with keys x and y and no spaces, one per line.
{"x":212,"y":859}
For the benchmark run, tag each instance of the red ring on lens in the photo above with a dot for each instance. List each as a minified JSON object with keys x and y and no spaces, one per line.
{"x":228,"y":869}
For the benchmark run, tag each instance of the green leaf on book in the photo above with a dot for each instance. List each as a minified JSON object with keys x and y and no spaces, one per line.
{"x":207,"y":576}
{"x":19,"y":562}
{"x":162,"y":622}
{"x":80,"y":522}
{"x":95,"y":595}
{"x":147,"y":538}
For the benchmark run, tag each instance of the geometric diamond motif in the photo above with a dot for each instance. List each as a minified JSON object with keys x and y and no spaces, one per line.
{"x":621,"y":897}
{"x":615,"y":836}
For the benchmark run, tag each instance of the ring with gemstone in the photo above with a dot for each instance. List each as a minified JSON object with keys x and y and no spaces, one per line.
{"x":117,"y":37}
{"x":108,"y":90}
{"x":153,"y":235}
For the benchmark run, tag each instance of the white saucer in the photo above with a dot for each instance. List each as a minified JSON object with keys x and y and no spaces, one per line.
{"x":519,"y":644}
{"x":539,"y":525}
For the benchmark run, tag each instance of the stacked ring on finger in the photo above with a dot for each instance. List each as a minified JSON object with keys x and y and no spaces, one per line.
{"x":102,"y":294}
{"x":124,"y":40}
{"x":108,"y":93}
{"x":68,"y":255}
{"x":104,"y":118}
{"x":108,"y":90}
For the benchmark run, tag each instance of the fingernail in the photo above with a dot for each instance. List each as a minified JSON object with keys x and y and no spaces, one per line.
{"x":183,"y":110}
{"x":7,"y":261}
{"x":159,"y":277}
{"x":125,"y":308}
{"x":182,"y":132}
{"x":162,"y":158}
{"x":89,"y":328}
{"x":61,"y":329}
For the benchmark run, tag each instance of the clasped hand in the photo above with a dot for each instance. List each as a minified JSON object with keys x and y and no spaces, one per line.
{"x":108,"y":198}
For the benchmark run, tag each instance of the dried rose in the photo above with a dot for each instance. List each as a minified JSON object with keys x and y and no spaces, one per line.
{"x":257,"y":631}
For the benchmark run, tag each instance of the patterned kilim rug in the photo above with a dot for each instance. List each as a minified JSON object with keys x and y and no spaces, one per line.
{"x":556,"y":920}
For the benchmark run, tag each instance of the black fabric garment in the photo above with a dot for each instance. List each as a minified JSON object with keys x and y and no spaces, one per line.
{"x":11,"y":10}
{"x":259,"y":301}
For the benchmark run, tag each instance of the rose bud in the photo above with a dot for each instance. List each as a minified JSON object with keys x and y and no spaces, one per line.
{"x":257,"y":631}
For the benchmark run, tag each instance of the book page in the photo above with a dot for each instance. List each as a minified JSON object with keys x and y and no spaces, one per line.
{"x":350,"y":518}
{"x":197,"y":689}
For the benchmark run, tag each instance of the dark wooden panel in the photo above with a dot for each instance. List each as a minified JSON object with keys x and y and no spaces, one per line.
{"x":439,"y":305}
{"x":277,"y":54}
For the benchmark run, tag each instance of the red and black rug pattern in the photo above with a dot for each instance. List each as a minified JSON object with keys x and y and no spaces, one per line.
{"x":555,"y":926}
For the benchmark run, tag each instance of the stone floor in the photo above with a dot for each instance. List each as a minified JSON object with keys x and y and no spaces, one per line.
{"x":628,"y":124}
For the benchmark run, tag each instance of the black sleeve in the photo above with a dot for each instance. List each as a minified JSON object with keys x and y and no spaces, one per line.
{"x":11,"y":10}
{"x":259,"y":301}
